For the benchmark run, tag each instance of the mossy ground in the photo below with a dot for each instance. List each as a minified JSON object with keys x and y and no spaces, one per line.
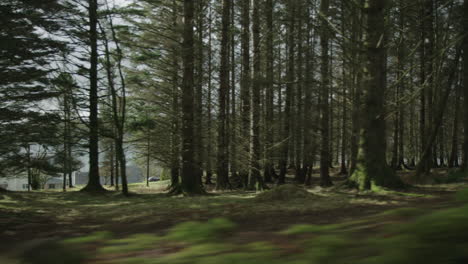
{"x":290,"y":224}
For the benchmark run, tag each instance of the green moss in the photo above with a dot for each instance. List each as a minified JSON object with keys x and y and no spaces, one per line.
{"x":133,"y":243}
{"x":404,"y":212}
{"x":196,"y":253}
{"x":434,"y":238}
{"x":303,"y":229}
{"x":360,"y":178}
{"x":194,"y":231}
{"x":94,"y":237}
{"x":328,"y":249}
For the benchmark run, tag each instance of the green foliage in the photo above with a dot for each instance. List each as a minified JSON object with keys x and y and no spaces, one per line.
{"x":197,"y":231}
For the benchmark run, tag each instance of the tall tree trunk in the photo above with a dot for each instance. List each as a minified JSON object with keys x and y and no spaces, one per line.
{"x":453,"y":160}
{"x":245,"y":86}
{"x":269,"y":170}
{"x":209,"y":153}
{"x":357,"y":86}
{"x":426,"y":155}
{"x":288,"y":111}
{"x":465,"y":87}
{"x":94,"y":184}
{"x":189,"y":184}
{"x":325,"y":94}
{"x":309,"y":135}
{"x":222,"y":180}
{"x":372,"y":169}
{"x":427,"y":37}
{"x":118,"y":107}
{"x":198,"y":114}
{"x":233,"y":116}
{"x":298,"y":131}
{"x":175,"y":123}
{"x":401,"y":54}
{"x":255,"y":175}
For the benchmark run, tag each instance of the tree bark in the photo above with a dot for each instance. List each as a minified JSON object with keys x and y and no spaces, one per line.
{"x":453,"y":160}
{"x":189,"y":184}
{"x":269,"y":117}
{"x":465,"y":87}
{"x":222,"y":180}
{"x":325,"y":158}
{"x":94,"y":184}
{"x":245,"y":87}
{"x":256,"y":180}
{"x":372,"y":169}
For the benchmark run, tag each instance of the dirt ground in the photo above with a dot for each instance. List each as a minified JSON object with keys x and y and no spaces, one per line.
{"x":26,"y":218}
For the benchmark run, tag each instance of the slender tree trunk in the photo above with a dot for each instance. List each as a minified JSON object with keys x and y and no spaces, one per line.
{"x":175,"y":129}
{"x":269,"y":118}
{"x":148,"y":153}
{"x":198,"y":114}
{"x":401,"y":88}
{"x":453,"y":160}
{"x":289,"y":94}
{"x":465,"y":87}
{"x":256,"y":179}
{"x":357,"y":87}
{"x":426,"y":155}
{"x":118,"y":107}
{"x":344,"y":136}
{"x":94,"y":184}
{"x":325,"y":94}
{"x":309,"y":142}
{"x":298,"y":131}
{"x":245,"y":86}
{"x":28,"y":154}
{"x":222,"y":180}
{"x":209,"y":154}
{"x":233,"y":117}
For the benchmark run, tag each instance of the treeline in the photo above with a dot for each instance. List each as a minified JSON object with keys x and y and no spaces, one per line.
{"x":239,"y":93}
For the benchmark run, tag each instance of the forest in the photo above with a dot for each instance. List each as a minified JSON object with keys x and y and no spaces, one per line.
{"x":265,"y":131}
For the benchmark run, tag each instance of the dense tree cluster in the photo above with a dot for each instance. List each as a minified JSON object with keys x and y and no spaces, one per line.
{"x":240,"y":93}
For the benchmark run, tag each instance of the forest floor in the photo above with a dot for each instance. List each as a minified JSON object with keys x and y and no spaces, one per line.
{"x":286,"y":226}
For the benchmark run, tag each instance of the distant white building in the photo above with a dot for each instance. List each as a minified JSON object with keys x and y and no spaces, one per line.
{"x":20,"y":183}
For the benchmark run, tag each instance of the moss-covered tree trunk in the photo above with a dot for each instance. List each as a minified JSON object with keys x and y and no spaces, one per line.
{"x":371,"y":168}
